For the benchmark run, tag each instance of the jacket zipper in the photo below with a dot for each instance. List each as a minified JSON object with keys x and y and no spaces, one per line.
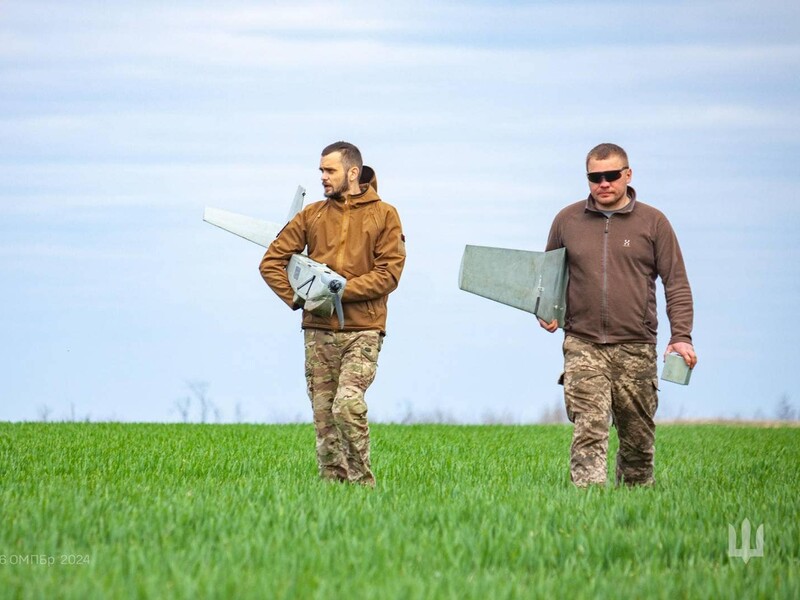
{"x":343,"y":239}
{"x":604,"y":300}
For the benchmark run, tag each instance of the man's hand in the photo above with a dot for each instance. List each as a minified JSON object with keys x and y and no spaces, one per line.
{"x":551,"y":327}
{"x":686,"y":350}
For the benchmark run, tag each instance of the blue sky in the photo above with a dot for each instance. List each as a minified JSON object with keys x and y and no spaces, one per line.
{"x":118,"y":125}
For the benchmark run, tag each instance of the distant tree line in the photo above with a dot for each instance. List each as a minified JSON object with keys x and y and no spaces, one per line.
{"x":198,"y":407}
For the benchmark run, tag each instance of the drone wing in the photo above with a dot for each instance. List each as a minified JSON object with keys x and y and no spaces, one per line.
{"x":255,"y":230}
{"x":535,"y":282}
{"x":297,"y":202}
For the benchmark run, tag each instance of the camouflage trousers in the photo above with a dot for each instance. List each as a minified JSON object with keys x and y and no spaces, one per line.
{"x":340,"y":366}
{"x":605,"y":383}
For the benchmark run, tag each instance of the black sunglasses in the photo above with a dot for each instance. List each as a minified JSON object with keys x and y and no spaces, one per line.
{"x":609,"y":176}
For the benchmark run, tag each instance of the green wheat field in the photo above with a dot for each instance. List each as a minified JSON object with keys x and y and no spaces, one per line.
{"x":108,"y":510}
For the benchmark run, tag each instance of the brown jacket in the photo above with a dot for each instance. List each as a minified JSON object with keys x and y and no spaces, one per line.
{"x":361,"y":238}
{"x":613,"y":265}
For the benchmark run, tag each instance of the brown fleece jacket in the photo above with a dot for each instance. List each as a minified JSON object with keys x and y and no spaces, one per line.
{"x":359,"y":237}
{"x":613,"y":265}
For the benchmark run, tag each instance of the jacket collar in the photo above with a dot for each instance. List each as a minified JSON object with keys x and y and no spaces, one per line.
{"x":367,"y":196}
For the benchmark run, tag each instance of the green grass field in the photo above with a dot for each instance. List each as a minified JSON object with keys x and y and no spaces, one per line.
{"x":236,"y":511}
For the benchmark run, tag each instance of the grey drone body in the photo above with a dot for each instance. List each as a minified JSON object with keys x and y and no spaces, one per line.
{"x":317,"y":287}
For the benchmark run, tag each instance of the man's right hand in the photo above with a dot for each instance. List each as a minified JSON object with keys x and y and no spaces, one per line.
{"x":551,"y":327}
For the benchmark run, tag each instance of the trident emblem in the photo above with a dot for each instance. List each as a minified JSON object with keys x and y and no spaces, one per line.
{"x":745,"y":552}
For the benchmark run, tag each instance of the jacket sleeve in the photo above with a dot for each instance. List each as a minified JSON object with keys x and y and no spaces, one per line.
{"x":389,"y":257}
{"x":554,"y":241}
{"x":671,"y":270}
{"x":291,"y":240}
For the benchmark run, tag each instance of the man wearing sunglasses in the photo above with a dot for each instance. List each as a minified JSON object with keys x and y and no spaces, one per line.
{"x":616,"y":248}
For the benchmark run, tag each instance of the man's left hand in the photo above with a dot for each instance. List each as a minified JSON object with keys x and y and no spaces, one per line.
{"x":551,"y":326}
{"x":686,"y":350}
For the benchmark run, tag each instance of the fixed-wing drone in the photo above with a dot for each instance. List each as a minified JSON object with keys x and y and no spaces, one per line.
{"x":317,"y":287}
{"x":535,"y":282}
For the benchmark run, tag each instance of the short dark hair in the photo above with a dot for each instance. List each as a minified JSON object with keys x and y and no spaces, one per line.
{"x":351,"y":156}
{"x":604,"y":151}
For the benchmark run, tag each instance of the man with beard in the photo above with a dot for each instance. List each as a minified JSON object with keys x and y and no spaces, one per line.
{"x":360,"y":237}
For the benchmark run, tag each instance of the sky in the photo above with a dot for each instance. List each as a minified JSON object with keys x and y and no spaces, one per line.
{"x":120,"y":122}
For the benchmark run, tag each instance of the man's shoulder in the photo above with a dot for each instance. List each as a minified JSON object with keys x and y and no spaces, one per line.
{"x":648,"y":211}
{"x":382,"y":204}
{"x":309,"y":212}
{"x":646,"y":208}
{"x":384,"y":209}
{"x":313,"y":207}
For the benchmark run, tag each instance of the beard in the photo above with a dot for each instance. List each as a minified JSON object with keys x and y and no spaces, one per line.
{"x":336,"y":193}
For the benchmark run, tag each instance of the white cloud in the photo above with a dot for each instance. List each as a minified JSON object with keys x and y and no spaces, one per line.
{"x":119,"y":123}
